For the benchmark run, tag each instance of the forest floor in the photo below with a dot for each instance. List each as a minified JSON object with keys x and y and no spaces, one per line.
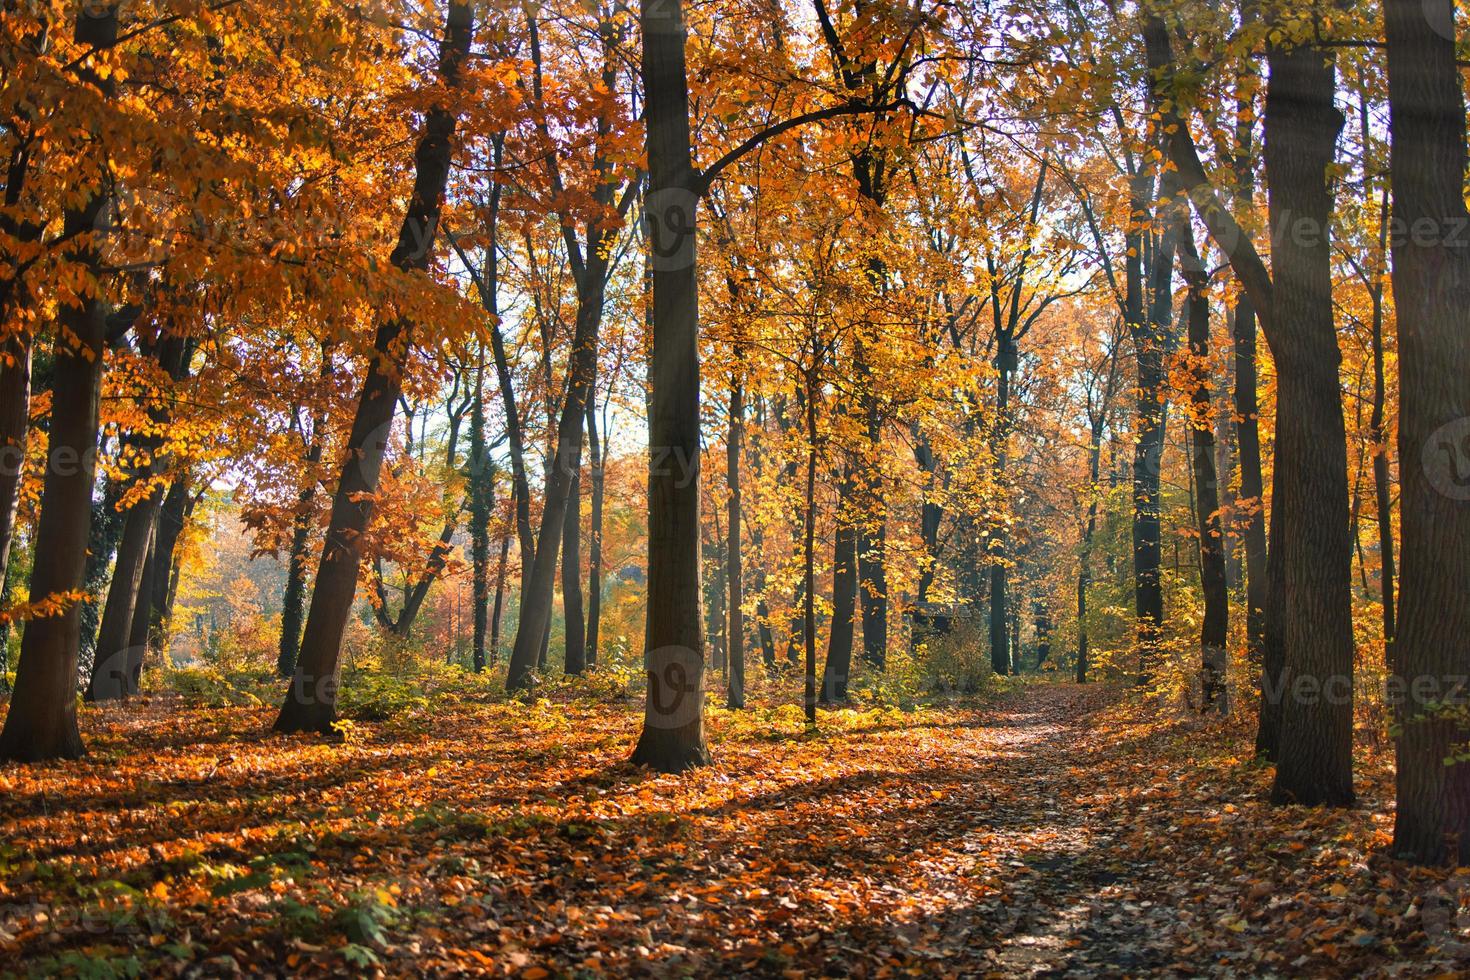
{"x":1050,"y":831}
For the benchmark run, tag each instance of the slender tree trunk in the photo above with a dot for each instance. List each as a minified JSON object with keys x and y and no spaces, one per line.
{"x":566,"y":462}
{"x":177,"y":505}
{"x":809,"y":556}
{"x":673,"y":726}
{"x":1000,"y":656}
{"x":571,"y":581}
{"x":735,"y":631}
{"x":598,"y":453}
{"x":311,"y":700}
{"x":1382,"y":480}
{"x":1431,"y":287}
{"x":482,"y":503}
{"x":293,"y":602}
{"x":111,"y":668}
{"x":499,"y":601}
{"x":15,"y":406}
{"x":1084,"y":564}
{"x":845,"y":578}
{"x":1151,"y":343}
{"x":140,"y":625}
{"x":42,"y":721}
{"x":1216,"y":624}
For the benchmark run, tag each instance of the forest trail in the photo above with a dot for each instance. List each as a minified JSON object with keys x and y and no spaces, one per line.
{"x":1048,"y":830}
{"x":1080,"y":897}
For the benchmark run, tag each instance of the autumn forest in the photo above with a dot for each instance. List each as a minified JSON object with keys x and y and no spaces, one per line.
{"x":783,"y":488}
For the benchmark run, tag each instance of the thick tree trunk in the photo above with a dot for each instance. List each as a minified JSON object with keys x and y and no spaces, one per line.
{"x":311,"y":700}
{"x":735,"y":631}
{"x":844,"y":596}
{"x":673,"y":725}
{"x":1431,"y":287}
{"x":809,"y":557}
{"x":1216,"y":623}
{"x":42,"y":722}
{"x":1314,"y":756}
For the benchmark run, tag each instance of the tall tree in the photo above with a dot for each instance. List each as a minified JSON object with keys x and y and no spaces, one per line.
{"x":1431,"y":287}
{"x":42,"y":721}
{"x":311,"y":699}
{"x":1309,"y":609}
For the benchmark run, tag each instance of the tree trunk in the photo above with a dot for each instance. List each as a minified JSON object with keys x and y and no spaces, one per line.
{"x":1151,"y":345}
{"x":177,"y":505}
{"x":482,"y":502}
{"x":1432,"y":299}
{"x":140,"y":625}
{"x":809,"y":555}
{"x":566,"y":462}
{"x":845,"y":578}
{"x":15,"y":406}
{"x":311,"y":701}
{"x":1005,"y":363}
{"x":1314,"y":757}
{"x":499,"y":601}
{"x":673,"y":725}
{"x":42,"y":722}
{"x":571,"y":580}
{"x":112,"y":665}
{"x":1084,"y":564}
{"x":735,"y":631}
{"x":1216,"y":624}
{"x":598,"y":453}
{"x":293,"y":602}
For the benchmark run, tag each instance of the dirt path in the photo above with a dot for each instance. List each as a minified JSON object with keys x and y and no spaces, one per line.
{"x":1073,"y":906}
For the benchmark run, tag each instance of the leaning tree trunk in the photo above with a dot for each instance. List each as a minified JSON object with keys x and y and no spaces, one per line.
{"x":1216,"y":623}
{"x":311,"y":700}
{"x":673,"y":722}
{"x":1431,"y":286}
{"x":564,"y":474}
{"x":177,"y":505}
{"x":140,"y":626}
{"x":111,"y":668}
